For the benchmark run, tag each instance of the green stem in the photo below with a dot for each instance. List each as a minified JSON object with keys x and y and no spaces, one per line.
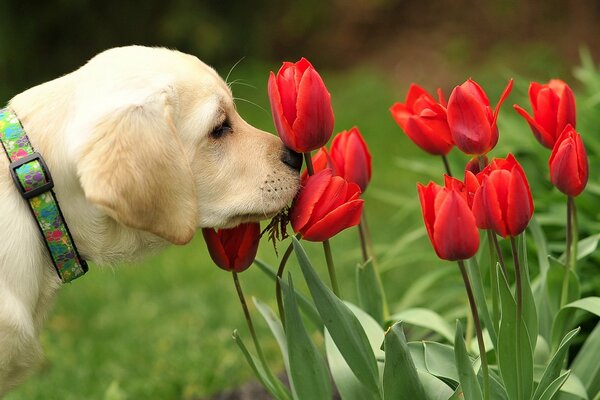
{"x":499,"y":254}
{"x":238,"y":288}
{"x":363,"y":242}
{"x":278,"y":293}
{"x":309,"y":165}
{"x":478,"y":330}
{"x":571,"y":250}
{"x":331,"y":268}
{"x":494,"y":252}
{"x":519,"y":290}
{"x":446,"y":165}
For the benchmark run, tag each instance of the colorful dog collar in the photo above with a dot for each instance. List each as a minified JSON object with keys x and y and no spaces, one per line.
{"x":33,"y":180}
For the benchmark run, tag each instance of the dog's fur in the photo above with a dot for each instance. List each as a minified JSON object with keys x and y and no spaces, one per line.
{"x":133,"y":144}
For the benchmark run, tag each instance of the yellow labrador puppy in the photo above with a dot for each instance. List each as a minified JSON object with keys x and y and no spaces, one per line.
{"x":145,"y":146}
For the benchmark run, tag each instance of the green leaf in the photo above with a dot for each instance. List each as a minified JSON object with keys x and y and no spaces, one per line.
{"x":274,"y":387}
{"x":515,"y":357}
{"x":345,"y":329}
{"x":425,"y":318}
{"x":310,"y":377}
{"x":554,"y":386}
{"x":307,"y":307}
{"x":370,"y":292}
{"x":586,"y":366}
{"x":554,"y":285}
{"x":435,"y":389}
{"x":479,"y":294}
{"x":529,"y":310}
{"x":589,"y":304}
{"x":539,"y":284}
{"x":585,"y":247}
{"x":553,"y":369}
{"x":348,"y":385}
{"x":400,"y":378}
{"x":539,"y":240}
{"x":466,"y":374}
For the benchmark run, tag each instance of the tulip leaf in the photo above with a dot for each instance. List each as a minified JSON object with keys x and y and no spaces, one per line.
{"x":273,"y":385}
{"x":345,"y":329}
{"x":277,"y":329}
{"x":515,"y":357}
{"x":585,"y":247}
{"x":425,"y":318}
{"x":589,"y":304}
{"x":466,"y":374}
{"x":400,"y":378}
{"x":370,"y":291}
{"x":307,"y":307}
{"x":310,"y":377}
{"x":553,"y":387}
{"x":348,"y":385}
{"x":553,"y":369}
{"x":479,"y":295}
{"x":554,"y":286}
{"x":435,"y":389}
{"x":586,"y":366}
{"x":530,"y":316}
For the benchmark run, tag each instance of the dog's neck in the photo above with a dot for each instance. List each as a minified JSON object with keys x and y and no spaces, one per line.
{"x":99,"y":238}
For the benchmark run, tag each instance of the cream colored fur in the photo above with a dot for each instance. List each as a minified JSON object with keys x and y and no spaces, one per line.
{"x":128,"y":140}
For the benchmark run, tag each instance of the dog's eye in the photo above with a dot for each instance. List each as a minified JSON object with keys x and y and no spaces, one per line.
{"x":221,"y":130}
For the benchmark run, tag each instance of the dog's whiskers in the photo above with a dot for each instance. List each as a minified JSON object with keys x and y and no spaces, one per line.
{"x":240,"y":82}
{"x":232,"y":68}
{"x":251,"y":102}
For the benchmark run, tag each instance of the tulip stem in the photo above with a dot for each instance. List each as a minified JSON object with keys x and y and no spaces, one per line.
{"x":519,"y":295}
{"x":494,"y":239}
{"x":331,"y":268}
{"x":363,"y":242}
{"x":278,"y":293}
{"x":309,"y":164}
{"x":478,"y":330}
{"x":446,"y":165}
{"x":571,"y":250}
{"x":240,"y":293}
{"x":494,"y":252}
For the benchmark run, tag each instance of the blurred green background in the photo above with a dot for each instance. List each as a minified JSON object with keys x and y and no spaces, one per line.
{"x":161,"y":329}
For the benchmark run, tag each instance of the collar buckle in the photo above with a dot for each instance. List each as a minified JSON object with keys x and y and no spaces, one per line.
{"x":39,"y":188}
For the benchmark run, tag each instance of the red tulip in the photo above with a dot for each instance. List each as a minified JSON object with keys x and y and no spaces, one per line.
{"x":474,"y":164}
{"x":301,"y":106}
{"x":569,"y":163}
{"x":424,"y":121}
{"x":351,"y":158}
{"x":553,"y":106}
{"x":320,"y":161}
{"x":471,"y":118}
{"x":449,"y":221}
{"x":503,"y":202}
{"x":326,"y":205}
{"x":233,"y":249}
{"x":468,"y":188}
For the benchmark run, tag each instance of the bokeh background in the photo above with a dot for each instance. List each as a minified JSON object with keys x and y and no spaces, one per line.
{"x":161,"y":329}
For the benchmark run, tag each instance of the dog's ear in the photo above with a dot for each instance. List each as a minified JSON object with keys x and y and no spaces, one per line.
{"x":135,"y":168}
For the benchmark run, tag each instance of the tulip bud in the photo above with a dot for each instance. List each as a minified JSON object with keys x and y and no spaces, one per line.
{"x":569,"y":163}
{"x":471,"y":119}
{"x":503,"y":202}
{"x":301,"y":106}
{"x":424,"y":121}
{"x":449,"y":221}
{"x":351,"y":158}
{"x":325,"y":206}
{"x":553,"y":106}
{"x":233,"y":249}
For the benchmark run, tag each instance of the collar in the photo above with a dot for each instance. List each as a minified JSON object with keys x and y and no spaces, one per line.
{"x":33,"y":180}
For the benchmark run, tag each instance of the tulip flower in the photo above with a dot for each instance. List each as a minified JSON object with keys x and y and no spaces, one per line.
{"x":449,"y":221}
{"x":351,"y":158}
{"x":569,"y":163}
{"x":326,"y":205}
{"x":553,"y":106}
{"x":301,"y":106}
{"x":503,"y":203}
{"x":424,"y":121}
{"x":471,"y":119}
{"x":475,"y":164}
{"x":233,"y":249}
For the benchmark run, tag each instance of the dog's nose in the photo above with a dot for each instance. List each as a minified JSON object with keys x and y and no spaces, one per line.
{"x":292,"y":159}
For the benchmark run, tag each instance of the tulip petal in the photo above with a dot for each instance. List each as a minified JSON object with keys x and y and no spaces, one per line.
{"x":520,"y":203}
{"x":487,"y":208}
{"x":345,"y":216}
{"x":544,"y":137}
{"x":547,"y":109}
{"x":333,"y":196}
{"x":503,"y":97}
{"x":400,"y":113}
{"x":566,"y":109}
{"x":282,"y":126}
{"x":307,"y":198}
{"x":431,"y":135}
{"x":351,"y":157}
{"x":455,"y":233}
{"x":427,"y":196}
{"x":314,"y":121}
{"x":247,"y":245}
{"x":215,"y":249}
{"x":469,"y":123}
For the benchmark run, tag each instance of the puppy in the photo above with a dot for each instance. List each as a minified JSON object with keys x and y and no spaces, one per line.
{"x":145,"y":146}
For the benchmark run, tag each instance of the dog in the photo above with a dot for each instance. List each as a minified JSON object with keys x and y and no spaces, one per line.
{"x":145,"y":146}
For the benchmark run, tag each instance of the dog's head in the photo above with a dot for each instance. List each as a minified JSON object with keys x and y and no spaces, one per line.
{"x":167,"y":151}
